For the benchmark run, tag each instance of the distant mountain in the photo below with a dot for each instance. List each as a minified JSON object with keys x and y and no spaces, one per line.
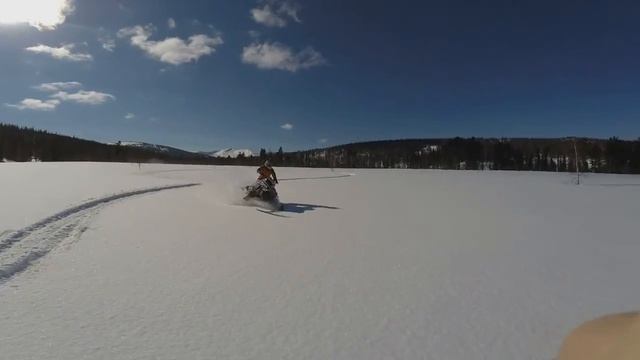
{"x":232,"y":153}
{"x":161,"y":149}
{"x":175,"y":152}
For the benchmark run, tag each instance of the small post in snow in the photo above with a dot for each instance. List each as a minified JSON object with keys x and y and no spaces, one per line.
{"x":575,"y":149}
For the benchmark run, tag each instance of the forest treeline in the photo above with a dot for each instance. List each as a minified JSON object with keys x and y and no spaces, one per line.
{"x":27,"y":144}
{"x":593,"y":155}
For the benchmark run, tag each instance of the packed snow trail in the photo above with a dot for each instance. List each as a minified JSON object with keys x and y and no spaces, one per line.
{"x":31,"y":192}
{"x":317,"y":177}
{"x":20,"y":249}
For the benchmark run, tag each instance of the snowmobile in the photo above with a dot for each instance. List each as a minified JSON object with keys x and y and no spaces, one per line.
{"x":264,"y":191}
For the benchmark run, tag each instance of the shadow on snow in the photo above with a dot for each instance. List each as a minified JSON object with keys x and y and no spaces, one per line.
{"x":302,"y":208}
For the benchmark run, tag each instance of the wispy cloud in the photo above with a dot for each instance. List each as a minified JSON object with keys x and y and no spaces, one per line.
{"x":64,"y":52}
{"x":287,"y":126}
{"x":171,"y":23}
{"x":124,"y":8}
{"x":58,"y":86}
{"x":281,"y":57}
{"x":108,"y":43}
{"x":268,"y":17}
{"x":43,"y":15}
{"x":59,"y":93}
{"x":290,"y":9}
{"x":130,"y":116}
{"x":84,"y":97}
{"x":276,"y":13}
{"x":173,"y":50}
{"x":322,"y":141}
{"x":36,"y":104}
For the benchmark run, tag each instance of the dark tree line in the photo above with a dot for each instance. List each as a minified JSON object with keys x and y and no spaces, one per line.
{"x":26,"y":144}
{"x":594,"y":155}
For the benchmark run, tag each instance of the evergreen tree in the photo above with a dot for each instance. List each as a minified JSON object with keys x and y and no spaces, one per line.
{"x":280,"y":157}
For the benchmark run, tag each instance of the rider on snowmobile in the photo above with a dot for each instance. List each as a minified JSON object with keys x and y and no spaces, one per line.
{"x":265,"y":187}
{"x":266,"y":173}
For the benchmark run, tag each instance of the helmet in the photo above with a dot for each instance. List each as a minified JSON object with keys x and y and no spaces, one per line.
{"x":267,"y":163}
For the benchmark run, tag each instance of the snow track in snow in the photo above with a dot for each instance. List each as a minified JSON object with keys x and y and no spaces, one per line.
{"x":318,"y":177}
{"x":18,"y":250}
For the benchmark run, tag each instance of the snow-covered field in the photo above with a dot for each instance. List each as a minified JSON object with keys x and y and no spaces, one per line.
{"x":108,"y":261}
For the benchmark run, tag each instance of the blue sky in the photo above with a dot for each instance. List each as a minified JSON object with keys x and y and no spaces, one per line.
{"x":211,"y":74}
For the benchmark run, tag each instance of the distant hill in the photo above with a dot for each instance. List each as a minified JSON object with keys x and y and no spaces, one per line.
{"x":175,"y":152}
{"x":162,"y":149}
{"x":230,"y":153}
{"x":26,"y":144}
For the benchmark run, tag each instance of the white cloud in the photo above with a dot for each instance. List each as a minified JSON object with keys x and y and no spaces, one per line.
{"x":107,"y":43}
{"x":172,"y":50}
{"x":58,"y":86}
{"x":36,"y":104}
{"x":287,"y":126}
{"x":63,"y":52}
{"x":130,"y":116}
{"x":84,"y":97}
{"x":254,"y":34}
{"x":59,"y":95}
{"x":41,"y":14}
{"x":322,"y":141}
{"x":268,"y":17}
{"x":290,"y":9}
{"x":276,"y":13}
{"x":171,"y":23}
{"x":124,"y":8}
{"x":281,"y":57}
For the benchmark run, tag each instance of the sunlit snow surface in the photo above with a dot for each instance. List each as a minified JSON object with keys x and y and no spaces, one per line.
{"x":383,"y":264}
